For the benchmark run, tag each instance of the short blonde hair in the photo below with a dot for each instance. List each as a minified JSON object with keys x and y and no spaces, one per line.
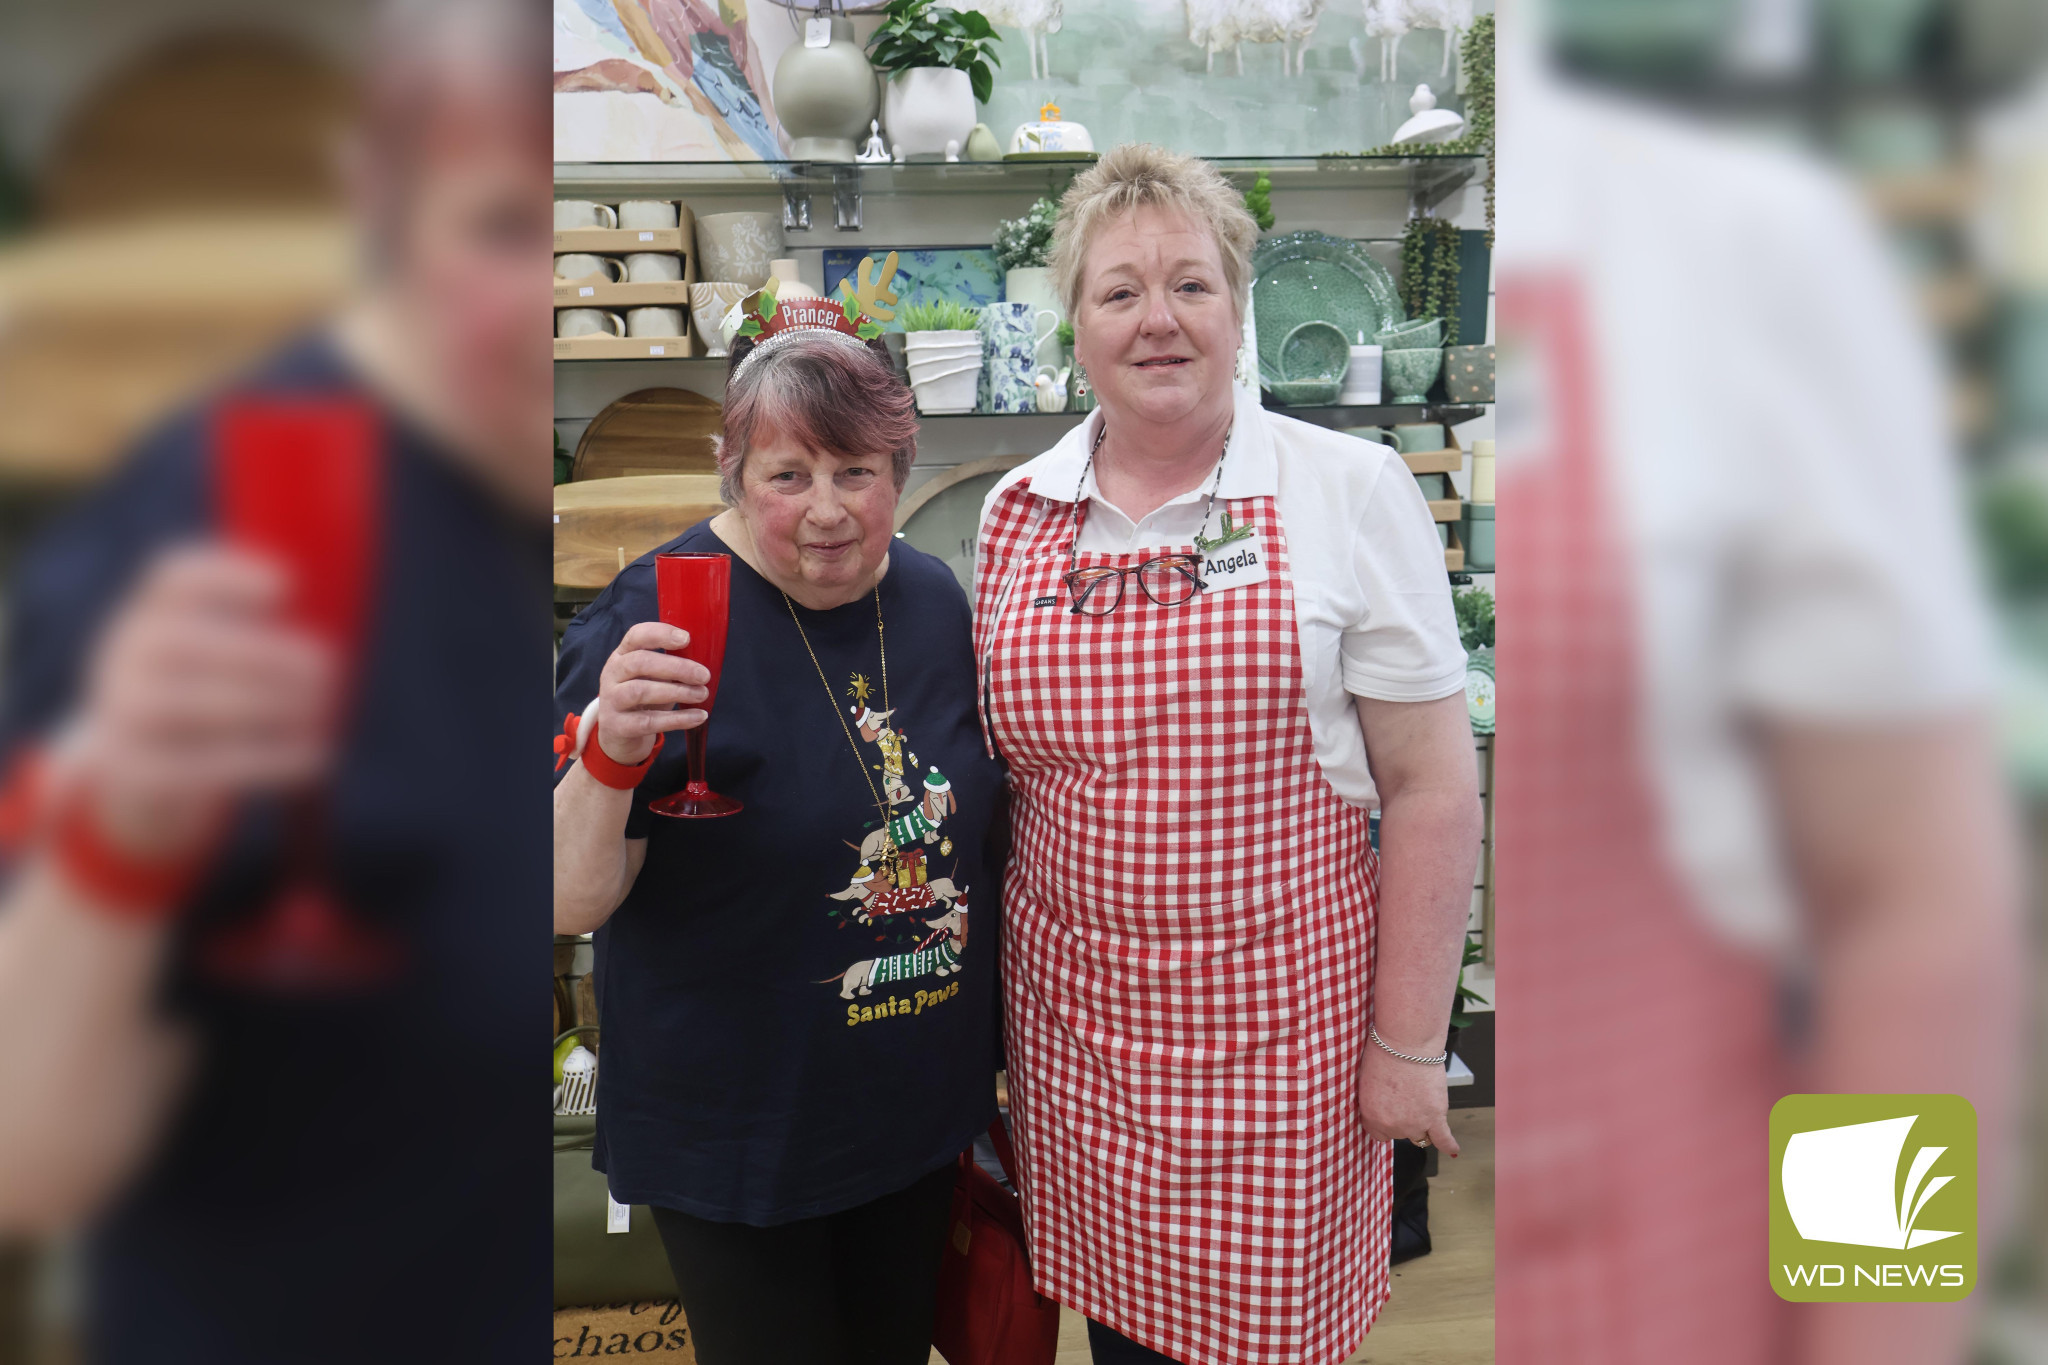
{"x":1137,"y":174}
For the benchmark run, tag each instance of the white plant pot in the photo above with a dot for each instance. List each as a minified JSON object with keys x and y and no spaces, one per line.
{"x":929,"y":111}
{"x":941,"y":346}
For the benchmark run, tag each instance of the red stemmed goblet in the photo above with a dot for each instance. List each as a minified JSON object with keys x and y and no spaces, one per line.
{"x":695,"y":593}
{"x":299,"y":479}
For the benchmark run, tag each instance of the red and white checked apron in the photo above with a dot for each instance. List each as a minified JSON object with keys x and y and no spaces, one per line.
{"x":1187,"y":959}
{"x":1637,"y":1056}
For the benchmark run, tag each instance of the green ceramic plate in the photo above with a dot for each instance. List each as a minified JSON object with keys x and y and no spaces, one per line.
{"x":1314,"y":277}
{"x":1050,"y":156}
{"x":1306,"y":393}
{"x":1315,"y":350}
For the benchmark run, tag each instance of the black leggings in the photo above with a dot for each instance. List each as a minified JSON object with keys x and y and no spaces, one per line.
{"x":852,"y":1288}
{"x":1107,"y":1346}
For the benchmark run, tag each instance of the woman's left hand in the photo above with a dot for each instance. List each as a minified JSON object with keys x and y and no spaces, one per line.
{"x":1398,"y":1100}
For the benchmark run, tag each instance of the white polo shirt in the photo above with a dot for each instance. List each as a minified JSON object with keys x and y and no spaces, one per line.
{"x":1372,"y":603}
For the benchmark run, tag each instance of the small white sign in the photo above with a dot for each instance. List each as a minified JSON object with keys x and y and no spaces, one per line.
{"x":586,"y":291}
{"x":617,"y":1217}
{"x":1238,"y":564}
{"x":817,"y":32}
{"x":657,"y":350}
{"x":646,"y":236}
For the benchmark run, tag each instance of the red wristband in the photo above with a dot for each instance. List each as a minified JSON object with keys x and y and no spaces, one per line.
{"x":609,"y":770}
{"x":144,"y":889}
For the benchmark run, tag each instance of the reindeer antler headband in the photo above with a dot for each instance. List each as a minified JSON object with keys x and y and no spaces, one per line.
{"x":856,"y":317}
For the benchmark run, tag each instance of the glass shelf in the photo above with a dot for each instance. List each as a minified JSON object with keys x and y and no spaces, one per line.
{"x":1435,"y":175}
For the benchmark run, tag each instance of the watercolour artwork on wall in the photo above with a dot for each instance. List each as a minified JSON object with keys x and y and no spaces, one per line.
{"x":690,"y":80}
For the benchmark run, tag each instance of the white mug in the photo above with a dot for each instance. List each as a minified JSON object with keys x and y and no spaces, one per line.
{"x":653,"y":267}
{"x":584,"y":322}
{"x":654,"y":322}
{"x":581,"y":265}
{"x":582,"y":213}
{"x":647,"y":213}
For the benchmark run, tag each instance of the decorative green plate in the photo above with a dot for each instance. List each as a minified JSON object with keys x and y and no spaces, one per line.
{"x":1051,"y":156}
{"x":1314,"y":277}
{"x":1479,"y":690}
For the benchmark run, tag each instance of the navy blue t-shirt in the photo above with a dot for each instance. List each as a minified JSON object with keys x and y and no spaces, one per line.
{"x":798,"y":1001}
{"x":361,"y":1176}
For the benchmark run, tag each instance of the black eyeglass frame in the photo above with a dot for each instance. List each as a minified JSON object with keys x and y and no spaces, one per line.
{"x":1099,"y":575}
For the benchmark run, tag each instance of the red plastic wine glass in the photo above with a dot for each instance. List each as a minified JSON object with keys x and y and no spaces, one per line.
{"x":695,"y":592}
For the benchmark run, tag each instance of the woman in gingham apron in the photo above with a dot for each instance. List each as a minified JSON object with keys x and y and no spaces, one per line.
{"x":1193,"y":622}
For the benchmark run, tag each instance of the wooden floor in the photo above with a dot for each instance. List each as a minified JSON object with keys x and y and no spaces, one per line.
{"x":1442,"y":1309}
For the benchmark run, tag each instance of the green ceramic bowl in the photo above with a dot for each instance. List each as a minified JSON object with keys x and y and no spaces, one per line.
{"x":1301,"y":393}
{"x":1420,"y":335}
{"x":1315,"y":350}
{"x":1406,"y":375}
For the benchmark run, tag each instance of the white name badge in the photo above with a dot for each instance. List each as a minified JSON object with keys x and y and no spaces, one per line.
{"x":1238,"y":564}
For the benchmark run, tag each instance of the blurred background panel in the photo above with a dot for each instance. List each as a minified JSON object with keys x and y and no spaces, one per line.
{"x":169,"y":210}
{"x":1842,"y":161}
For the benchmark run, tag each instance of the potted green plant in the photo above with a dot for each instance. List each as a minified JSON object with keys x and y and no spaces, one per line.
{"x":937,"y":61}
{"x":942,"y":342}
{"x":1023,"y":249}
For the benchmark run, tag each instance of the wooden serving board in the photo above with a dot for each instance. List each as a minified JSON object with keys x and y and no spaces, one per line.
{"x":1449,"y":461}
{"x":602,"y":525}
{"x":650,"y":431}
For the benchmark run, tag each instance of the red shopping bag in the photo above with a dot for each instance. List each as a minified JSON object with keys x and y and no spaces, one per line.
{"x":989,"y":1314}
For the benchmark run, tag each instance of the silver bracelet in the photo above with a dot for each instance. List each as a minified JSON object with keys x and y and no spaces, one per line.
{"x":1373,"y":1033}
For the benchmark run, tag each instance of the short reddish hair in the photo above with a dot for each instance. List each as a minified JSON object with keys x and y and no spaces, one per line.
{"x":825,"y":395}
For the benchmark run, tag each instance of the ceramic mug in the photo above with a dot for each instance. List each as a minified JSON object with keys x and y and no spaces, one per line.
{"x":582,"y":213}
{"x":1362,"y":379}
{"x":654,"y":322}
{"x":581,"y":265}
{"x":1419,"y":436}
{"x":710,"y":301}
{"x":1378,"y":435}
{"x":654,"y":267}
{"x":647,"y":213}
{"x":738,"y":246}
{"x":585,"y":322}
{"x":1011,"y":333}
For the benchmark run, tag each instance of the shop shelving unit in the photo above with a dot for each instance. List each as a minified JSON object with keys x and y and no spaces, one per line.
{"x":953,"y":204}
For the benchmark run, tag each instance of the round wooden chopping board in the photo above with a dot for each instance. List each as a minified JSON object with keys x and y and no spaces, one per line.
{"x":651,"y":431}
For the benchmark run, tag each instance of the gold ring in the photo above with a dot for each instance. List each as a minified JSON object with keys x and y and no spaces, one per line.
{"x":1421,"y":1141}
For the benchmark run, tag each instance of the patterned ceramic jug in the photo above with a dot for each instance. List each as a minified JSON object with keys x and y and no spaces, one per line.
{"x":1010,"y":333}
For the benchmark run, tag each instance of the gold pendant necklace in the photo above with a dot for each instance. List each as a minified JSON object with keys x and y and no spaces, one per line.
{"x":881,"y":640}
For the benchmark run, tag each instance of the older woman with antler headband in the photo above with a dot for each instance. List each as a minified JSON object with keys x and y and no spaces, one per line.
{"x":797,"y":1023}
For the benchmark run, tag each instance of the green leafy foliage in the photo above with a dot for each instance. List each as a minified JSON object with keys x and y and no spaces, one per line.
{"x":1028,"y":240}
{"x":1475,"y":617}
{"x":1064,"y":334}
{"x":1429,"y":273}
{"x":1258,"y":201}
{"x":945,"y":315}
{"x":1474,"y":954}
{"x":918,"y":33}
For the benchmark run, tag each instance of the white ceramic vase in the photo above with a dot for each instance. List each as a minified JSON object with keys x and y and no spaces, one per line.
{"x":825,"y":96}
{"x":929,"y":111}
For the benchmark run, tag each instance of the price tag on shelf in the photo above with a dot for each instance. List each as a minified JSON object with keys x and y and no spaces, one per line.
{"x":657,"y":350}
{"x":586,"y":291}
{"x":817,"y":32}
{"x":646,"y":236}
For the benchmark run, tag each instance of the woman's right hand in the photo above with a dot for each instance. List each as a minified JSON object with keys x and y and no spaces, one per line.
{"x":640,"y":687}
